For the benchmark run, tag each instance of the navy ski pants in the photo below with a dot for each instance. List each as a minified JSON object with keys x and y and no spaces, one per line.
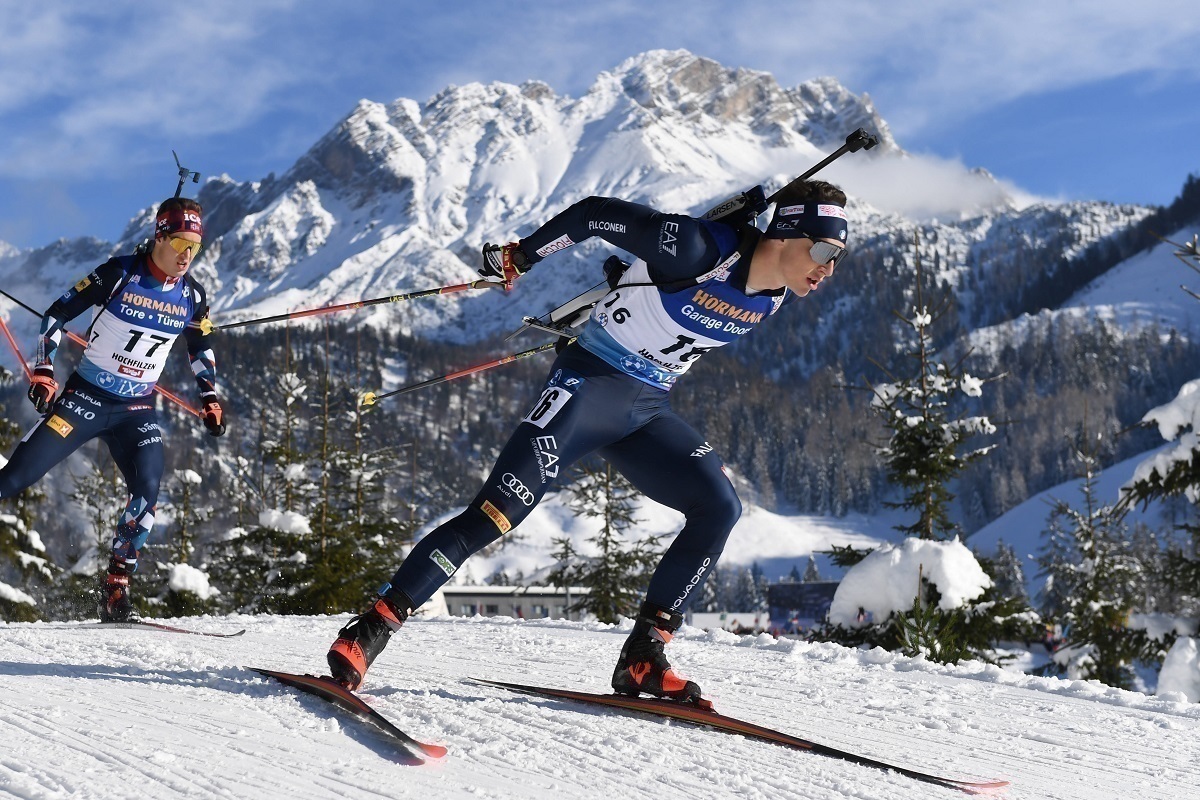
{"x":129,"y":428}
{"x":589,"y":406}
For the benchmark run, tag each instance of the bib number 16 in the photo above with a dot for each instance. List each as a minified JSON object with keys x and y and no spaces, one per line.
{"x":547,"y":406}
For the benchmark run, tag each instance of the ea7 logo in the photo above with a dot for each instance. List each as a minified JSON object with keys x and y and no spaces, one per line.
{"x":667,"y":238}
{"x":702,"y":450}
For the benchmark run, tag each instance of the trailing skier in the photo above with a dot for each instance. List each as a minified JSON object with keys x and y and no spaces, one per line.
{"x":695,"y":285}
{"x":146,"y":301}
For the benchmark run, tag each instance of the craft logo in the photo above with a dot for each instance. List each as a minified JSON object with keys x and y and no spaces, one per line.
{"x":440,"y":559}
{"x":60,"y":426}
{"x":497,"y":517}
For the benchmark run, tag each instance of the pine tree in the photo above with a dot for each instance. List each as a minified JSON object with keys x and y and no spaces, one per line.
{"x":616,"y":578}
{"x":1092,"y":584}
{"x":98,"y":493}
{"x":23,"y":557}
{"x":1008,"y":574}
{"x":812,"y":573}
{"x":181,"y":582}
{"x":923,"y":454}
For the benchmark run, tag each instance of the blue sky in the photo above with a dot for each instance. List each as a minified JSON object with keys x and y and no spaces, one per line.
{"x":1066,"y":100}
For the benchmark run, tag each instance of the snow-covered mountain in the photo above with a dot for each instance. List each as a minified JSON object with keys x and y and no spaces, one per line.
{"x":400,"y":196}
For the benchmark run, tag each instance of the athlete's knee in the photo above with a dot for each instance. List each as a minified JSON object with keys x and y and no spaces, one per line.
{"x":721,"y":506}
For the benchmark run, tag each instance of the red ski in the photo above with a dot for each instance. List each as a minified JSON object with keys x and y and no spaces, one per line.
{"x":157,"y":626}
{"x":687,"y":712}
{"x":331,"y":691}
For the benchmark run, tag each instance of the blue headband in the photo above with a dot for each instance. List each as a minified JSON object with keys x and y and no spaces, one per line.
{"x":819,"y":220}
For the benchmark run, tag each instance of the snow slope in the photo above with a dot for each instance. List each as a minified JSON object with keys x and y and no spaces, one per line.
{"x":1145,"y":290}
{"x":775,"y":542}
{"x":90,"y":713}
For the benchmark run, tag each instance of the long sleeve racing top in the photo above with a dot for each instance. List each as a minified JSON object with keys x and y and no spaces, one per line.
{"x":684,"y":295}
{"x":130,"y":338}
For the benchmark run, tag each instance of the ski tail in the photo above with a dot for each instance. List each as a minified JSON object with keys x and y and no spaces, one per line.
{"x":689,"y":712}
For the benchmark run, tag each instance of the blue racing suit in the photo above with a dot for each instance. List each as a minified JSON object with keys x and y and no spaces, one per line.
{"x":108,"y":396}
{"x":608,"y":393}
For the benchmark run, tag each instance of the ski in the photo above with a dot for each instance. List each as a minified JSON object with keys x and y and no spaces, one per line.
{"x":686,"y":712}
{"x":156,"y":626}
{"x":333,"y":692}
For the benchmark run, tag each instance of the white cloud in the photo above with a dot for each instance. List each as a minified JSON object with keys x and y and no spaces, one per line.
{"x":924,"y":186}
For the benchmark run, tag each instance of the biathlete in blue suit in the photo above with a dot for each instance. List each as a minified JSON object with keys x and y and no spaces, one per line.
{"x":694,"y":286}
{"x":146,"y":301}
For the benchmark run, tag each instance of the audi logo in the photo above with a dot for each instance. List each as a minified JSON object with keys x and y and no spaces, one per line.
{"x":513,"y":484}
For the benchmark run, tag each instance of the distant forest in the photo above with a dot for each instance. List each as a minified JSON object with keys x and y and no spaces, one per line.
{"x":786,"y":407}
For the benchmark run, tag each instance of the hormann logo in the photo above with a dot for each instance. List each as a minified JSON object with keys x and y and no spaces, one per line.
{"x":440,"y":559}
{"x":692,"y":584}
{"x":718,"y":306}
{"x":497,"y":516}
{"x":154,"y":305}
{"x":615,"y":227}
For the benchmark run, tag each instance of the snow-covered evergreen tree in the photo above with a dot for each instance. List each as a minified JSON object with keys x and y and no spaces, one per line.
{"x":25,"y":568}
{"x":924,"y":452}
{"x":1092,"y":584}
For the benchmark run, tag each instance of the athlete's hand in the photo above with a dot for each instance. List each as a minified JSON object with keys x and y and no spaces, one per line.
{"x":42,"y":389}
{"x":504,"y":263}
{"x":214,"y":416}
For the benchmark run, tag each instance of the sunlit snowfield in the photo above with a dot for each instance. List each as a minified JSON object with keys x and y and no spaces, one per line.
{"x":94,"y":713}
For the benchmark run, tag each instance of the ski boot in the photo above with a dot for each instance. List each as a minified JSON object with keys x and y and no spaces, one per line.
{"x":643,"y":668}
{"x":115,"y":603}
{"x":364,"y":637}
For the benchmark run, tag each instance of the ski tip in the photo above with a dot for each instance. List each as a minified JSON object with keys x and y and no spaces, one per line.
{"x":992,"y":788}
{"x":433,"y":750}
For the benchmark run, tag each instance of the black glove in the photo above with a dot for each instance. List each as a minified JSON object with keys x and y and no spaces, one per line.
{"x":42,"y":389}
{"x":504,"y":263}
{"x":214,"y":417}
